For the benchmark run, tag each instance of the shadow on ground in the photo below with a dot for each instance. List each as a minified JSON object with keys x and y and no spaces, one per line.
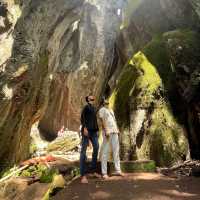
{"x":138,"y":186}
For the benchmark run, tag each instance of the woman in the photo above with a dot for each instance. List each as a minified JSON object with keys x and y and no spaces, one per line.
{"x":110,"y":133}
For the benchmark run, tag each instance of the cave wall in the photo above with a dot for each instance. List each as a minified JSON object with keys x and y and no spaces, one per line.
{"x":61,"y":52}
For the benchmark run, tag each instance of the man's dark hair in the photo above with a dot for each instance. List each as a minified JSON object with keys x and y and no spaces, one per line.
{"x":87,"y":97}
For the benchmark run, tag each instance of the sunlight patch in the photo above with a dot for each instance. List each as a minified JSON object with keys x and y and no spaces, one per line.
{"x":8,"y":92}
{"x":75,"y":25}
{"x":84,"y":66}
{"x":177,"y":193}
{"x":20,"y":70}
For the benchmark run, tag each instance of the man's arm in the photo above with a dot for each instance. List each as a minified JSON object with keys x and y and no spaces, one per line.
{"x":83,"y":121}
{"x":83,"y":117}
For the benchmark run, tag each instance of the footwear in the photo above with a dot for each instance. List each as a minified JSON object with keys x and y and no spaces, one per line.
{"x":84,"y":180}
{"x":105,"y":177}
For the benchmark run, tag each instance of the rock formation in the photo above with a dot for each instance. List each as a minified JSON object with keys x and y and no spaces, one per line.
{"x":62,"y":51}
{"x":166,"y":33}
{"x":54,"y":53}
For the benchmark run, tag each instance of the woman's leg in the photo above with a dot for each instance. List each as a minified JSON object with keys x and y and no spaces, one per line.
{"x":115,"y":148}
{"x":104,"y":156}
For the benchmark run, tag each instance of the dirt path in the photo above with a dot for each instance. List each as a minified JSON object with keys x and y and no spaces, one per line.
{"x":135,"y":186}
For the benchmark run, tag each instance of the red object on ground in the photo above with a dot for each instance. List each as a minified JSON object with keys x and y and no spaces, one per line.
{"x":36,"y":160}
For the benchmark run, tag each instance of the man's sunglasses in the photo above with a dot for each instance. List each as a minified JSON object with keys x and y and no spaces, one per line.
{"x":91,"y":99}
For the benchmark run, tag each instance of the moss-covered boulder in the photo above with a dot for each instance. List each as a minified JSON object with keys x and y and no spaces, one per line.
{"x":184,"y":47}
{"x":141,"y":94}
{"x":177,"y":59}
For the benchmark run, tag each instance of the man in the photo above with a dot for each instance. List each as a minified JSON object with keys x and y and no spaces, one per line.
{"x":110,"y":133}
{"x":89,"y":132}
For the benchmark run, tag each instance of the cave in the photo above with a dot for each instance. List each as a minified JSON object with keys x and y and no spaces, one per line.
{"x":58,"y":52}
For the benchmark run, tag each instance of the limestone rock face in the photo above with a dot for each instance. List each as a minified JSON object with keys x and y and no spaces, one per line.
{"x":83,"y":55}
{"x":144,"y":19}
{"x":61,"y":51}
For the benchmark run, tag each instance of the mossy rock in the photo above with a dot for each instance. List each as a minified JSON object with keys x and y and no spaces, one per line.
{"x":119,"y":99}
{"x":157,"y":53}
{"x":148,"y":82}
{"x":167,"y":50}
{"x":135,"y":166}
{"x":140,"y":79}
{"x":175,"y":54}
{"x":165,"y":141}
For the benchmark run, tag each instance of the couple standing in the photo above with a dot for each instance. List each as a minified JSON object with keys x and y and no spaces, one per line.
{"x":90,"y":133}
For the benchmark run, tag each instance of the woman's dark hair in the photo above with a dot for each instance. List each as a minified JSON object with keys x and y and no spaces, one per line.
{"x":102,"y":101}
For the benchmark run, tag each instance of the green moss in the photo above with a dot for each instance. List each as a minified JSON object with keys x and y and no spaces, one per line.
{"x":139,"y":79}
{"x":150,"y":167}
{"x":31,"y":171}
{"x":168,"y":143}
{"x":47,"y":175}
{"x":147,"y":83}
{"x":169,"y":51}
{"x":183,"y":45}
{"x":157,"y":53}
{"x":163,"y":53}
{"x":164,"y":141}
{"x":137,"y":166}
{"x":119,"y":99}
{"x":160,"y":144}
{"x":41,"y":171}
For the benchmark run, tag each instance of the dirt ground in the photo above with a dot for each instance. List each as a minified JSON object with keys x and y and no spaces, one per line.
{"x":135,"y":186}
